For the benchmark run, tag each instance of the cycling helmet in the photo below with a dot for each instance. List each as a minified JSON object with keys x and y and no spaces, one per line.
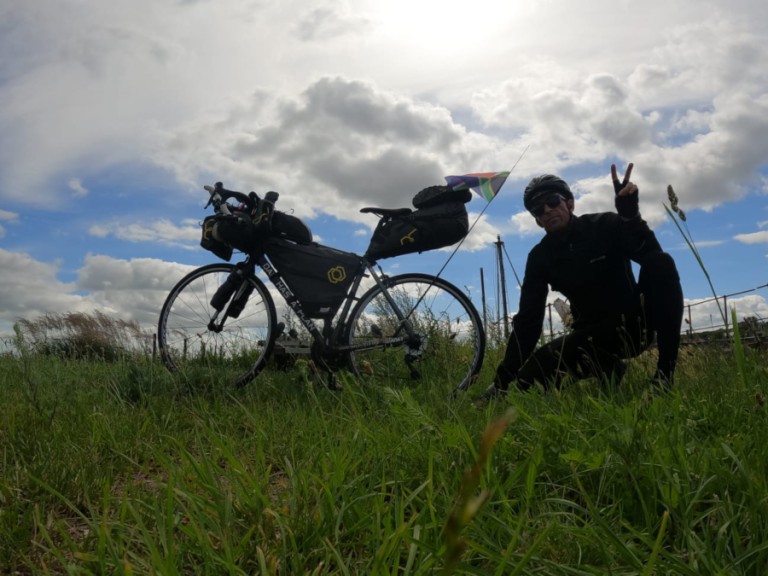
{"x":542,"y":186}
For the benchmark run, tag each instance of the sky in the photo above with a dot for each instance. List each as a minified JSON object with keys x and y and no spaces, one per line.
{"x":115,"y":114}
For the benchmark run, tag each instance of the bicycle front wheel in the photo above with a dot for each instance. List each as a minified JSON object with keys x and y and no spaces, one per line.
{"x":235,"y":350}
{"x":446,"y":345}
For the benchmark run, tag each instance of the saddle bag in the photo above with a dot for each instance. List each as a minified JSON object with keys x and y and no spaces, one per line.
{"x":424,"y":229}
{"x":318,"y":275}
{"x":440,"y":219}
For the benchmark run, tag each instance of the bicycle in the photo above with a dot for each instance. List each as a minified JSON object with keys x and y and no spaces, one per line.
{"x":411,"y":326}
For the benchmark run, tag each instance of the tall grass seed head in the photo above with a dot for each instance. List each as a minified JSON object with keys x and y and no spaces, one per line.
{"x":672,"y":197}
{"x":673,"y":201}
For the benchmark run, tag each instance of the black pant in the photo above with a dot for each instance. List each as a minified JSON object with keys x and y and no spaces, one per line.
{"x":600,"y":348}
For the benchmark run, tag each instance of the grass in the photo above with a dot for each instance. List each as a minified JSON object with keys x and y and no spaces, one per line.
{"x":116,"y":468}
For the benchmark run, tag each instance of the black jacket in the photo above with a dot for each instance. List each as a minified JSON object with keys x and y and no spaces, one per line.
{"x":589,"y":263}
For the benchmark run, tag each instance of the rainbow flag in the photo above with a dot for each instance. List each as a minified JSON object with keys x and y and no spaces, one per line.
{"x":484,"y":184}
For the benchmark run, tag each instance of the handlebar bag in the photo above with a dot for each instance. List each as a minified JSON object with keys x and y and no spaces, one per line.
{"x":224,"y":232}
{"x":425,"y":229}
{"x":318,"y":275}
{"x":211,"y":243}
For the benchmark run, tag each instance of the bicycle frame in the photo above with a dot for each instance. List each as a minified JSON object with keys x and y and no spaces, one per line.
{"x":330,"y":336}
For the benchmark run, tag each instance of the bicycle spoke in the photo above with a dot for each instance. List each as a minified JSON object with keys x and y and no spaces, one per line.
{"x":445,"y":345}
{"x":237,"y":351}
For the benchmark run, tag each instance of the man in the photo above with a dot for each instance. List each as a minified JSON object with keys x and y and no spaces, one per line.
{"x":587,"y":259}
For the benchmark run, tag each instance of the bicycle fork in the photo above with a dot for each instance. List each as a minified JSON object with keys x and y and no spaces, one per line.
{"x":236,"y":284}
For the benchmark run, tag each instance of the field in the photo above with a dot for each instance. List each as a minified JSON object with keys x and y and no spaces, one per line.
{"x":117,"y":468}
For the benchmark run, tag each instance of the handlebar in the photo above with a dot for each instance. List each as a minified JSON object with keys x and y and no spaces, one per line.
{"x":220,"y":195}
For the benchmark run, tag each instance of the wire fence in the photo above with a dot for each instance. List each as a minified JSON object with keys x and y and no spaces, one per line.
{"x":696,"y":324}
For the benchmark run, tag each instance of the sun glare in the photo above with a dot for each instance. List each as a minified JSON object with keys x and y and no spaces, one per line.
{"x":432,"y":22}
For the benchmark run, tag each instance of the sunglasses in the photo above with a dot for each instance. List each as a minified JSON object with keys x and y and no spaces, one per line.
{"x":553,"y":201}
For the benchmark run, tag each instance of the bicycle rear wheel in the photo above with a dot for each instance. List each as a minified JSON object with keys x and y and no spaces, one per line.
{"x":236,"y":350}
{"x":449,"y":346}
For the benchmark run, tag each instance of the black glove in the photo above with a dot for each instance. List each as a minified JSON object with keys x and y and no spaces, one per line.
{"x":628,"y":206}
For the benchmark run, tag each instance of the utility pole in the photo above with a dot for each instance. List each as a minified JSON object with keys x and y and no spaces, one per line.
{"x":503,"y":280}
{"x":482,"y":293}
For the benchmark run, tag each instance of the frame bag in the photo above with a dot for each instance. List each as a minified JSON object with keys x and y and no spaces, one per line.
{"x":319,"y":276}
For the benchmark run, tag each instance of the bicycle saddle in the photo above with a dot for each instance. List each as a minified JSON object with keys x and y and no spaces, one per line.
{"x":386,"y":211}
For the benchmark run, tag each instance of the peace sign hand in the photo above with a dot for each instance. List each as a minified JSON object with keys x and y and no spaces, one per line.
{"x":627,"y":198}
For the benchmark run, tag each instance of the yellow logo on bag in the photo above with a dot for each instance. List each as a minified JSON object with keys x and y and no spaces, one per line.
{"x":208,"y":230}
{"x":408,"y":238}
{"x":337,"y":274}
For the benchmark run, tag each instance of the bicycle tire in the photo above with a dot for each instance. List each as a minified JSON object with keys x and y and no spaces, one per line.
{"x":445,"y":317}
{"x":238,"y":352}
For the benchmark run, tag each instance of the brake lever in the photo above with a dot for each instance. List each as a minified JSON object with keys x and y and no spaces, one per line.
{"x":210,"y":191}
{"x":215,"y":192}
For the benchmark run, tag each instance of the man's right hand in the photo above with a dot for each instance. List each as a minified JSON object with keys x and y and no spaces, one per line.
{"x":627,"y":197}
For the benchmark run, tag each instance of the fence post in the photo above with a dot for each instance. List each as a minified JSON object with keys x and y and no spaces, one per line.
{"x":690,"y":322}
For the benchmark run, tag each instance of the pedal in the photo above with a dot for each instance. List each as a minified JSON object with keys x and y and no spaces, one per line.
{"x":409,"y":360}
{"x":333,"y":383}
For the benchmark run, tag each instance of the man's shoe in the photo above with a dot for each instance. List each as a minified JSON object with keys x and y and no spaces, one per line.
{"x":661,"y":384}
{"x":492,"y":393}
{"x":614,"y":375}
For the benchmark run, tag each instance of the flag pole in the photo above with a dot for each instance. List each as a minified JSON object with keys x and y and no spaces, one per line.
{"x":487,"y":204}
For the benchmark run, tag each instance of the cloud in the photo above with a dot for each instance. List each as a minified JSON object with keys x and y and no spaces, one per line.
{"x":712,"y":151}
{"x":326,"y":23}
{"x":32,"y":289}
{"x":482,"y":234}
{"x":128,"y":289}
{"x":78,"y":190}
{"x":753,"y":238}
{"x":338,"y":146}
{"x":136,"y":85}
{"x":6,"y":216}
{"x":705,"y":315}
{"x":131,"y":289}
{"x":700,"y":244}
{"x":161,"y":230}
